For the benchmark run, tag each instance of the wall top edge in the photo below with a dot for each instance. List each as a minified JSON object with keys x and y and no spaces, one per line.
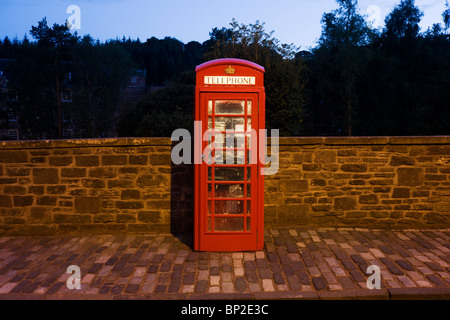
{"x":167,"y":142}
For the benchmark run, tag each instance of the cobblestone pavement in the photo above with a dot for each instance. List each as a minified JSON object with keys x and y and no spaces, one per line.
{"x":295,"y":264}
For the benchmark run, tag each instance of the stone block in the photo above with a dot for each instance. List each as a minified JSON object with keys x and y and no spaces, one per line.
{"x":149,"y":216}
{"x":103,"y":173}
{"x":401,"y":193}
{"x":13,"y":156}
{"x":56,"y":189}
{"x":39,"y":215}
{"x":114,"y":160}
{"x":354,"y":167}
{"x":410,"y":176}
{"x":369,"y":199}
{"x":5,"y":201}
{"x":87,"y":161}
{"x":345,"y":203}
{"x":60,"y":161}
{"x":161,"y":159}
{"x":138,"y":160}
{"x":325,"y":156}
{"x":23,"y":201}
{"x":72,"y":218}
{"x":73,"y":172}
{"x":17,"y":190}
{"x":294,"y":186}
{"x":88,"y":204}
{"x":129,"y":205}
{"x":46,"y":201}
{"x":443,"y":207}
{"x":45,"y":176}
{"x":397,"y":161}
{"x":130,"y":194}
{"x":18,"y":172}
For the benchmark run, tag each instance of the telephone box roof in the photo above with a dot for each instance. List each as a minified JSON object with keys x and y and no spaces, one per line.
{"x":230,"y":61}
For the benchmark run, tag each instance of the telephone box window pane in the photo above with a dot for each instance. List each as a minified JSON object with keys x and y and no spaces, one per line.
{"x":233,"y":157}
{"x":249,"y":224}
{"x":229,"y":191}
{"x":249,"y":190}
{"x":249,"y":174}
{"x":210,"y":107}
{"x":219,"y":157}
{"x":249,"y":107}
{"x":209,"y":174}
{"x":210,"y":123}
{"x":209,"y":224}
{"x":249,"y":123}
{"x":235,"y":124}
{"x":210,"y":207}
{"x":209,"y":190}
{"x":249,"y":207}
{"x":230,"y":107}
{"x":228,"y":207}
{"x":229,"y":174}
{"x":228,"y":224}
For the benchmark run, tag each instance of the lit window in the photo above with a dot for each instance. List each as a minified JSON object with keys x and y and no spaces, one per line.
{"x":67,"y":96}
{"x":12,"y":117}
{"x":12,"y":134}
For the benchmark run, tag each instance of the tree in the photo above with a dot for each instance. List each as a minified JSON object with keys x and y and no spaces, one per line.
{"x":285,"y":77}
{"x":404,"y":20}
{"x":55,"y":46}
{"x":339,"y":60}
{"x":446,"y":16}
{"x":99,"y":72}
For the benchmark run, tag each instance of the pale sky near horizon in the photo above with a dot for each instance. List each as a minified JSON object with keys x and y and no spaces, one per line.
{"x":294,"y":21}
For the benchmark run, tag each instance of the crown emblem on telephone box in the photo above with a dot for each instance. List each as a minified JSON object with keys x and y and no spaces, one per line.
{"x":230,"y":70}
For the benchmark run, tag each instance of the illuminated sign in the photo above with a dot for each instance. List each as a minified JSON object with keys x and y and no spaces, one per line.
{"x":241,"y":81}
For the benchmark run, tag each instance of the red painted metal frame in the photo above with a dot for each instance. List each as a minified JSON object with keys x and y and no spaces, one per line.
{"x":229,"y":241}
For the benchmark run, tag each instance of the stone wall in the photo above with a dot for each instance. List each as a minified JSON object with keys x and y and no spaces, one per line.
{"x":130,"y":185}
{"x":385,"y":182}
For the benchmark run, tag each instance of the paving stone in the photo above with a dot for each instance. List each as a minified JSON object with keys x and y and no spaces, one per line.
{"x":404,"y":265}
{"x":277,"y":278}
{"x":395,"y":270}
{"x":241,"y":284}
{"x":319,"y":283}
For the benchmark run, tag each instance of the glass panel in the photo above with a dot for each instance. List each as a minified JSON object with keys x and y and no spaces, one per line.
{"x":229,"y":207}
{"x":249,"y":207}
{"x":249,"y":190}
{"x":229,"y":174}
{"x":229,"y":191}
{"x":209,"y":190}
{"x":249,"y":107}
{"x":209,"y":174}
{"x":228,"y":224}
{"x":249,"y":124}
{"x":230,"y":107}
{"x":210,"y":123}
{"x":210,"y":208}
{"x":229,"y":123}
{"x":219,"y":157}
{"x":249,"y":174}
{"x":210,"y":107}
{"x":209,"y":224}
{"x":235,"y":140}
{"x":249,"y":224}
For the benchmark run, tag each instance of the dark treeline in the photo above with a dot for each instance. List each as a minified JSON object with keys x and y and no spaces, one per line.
{"x":357,"y":81}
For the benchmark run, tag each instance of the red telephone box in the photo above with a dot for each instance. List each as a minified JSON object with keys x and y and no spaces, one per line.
{"x":229,"y":187}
